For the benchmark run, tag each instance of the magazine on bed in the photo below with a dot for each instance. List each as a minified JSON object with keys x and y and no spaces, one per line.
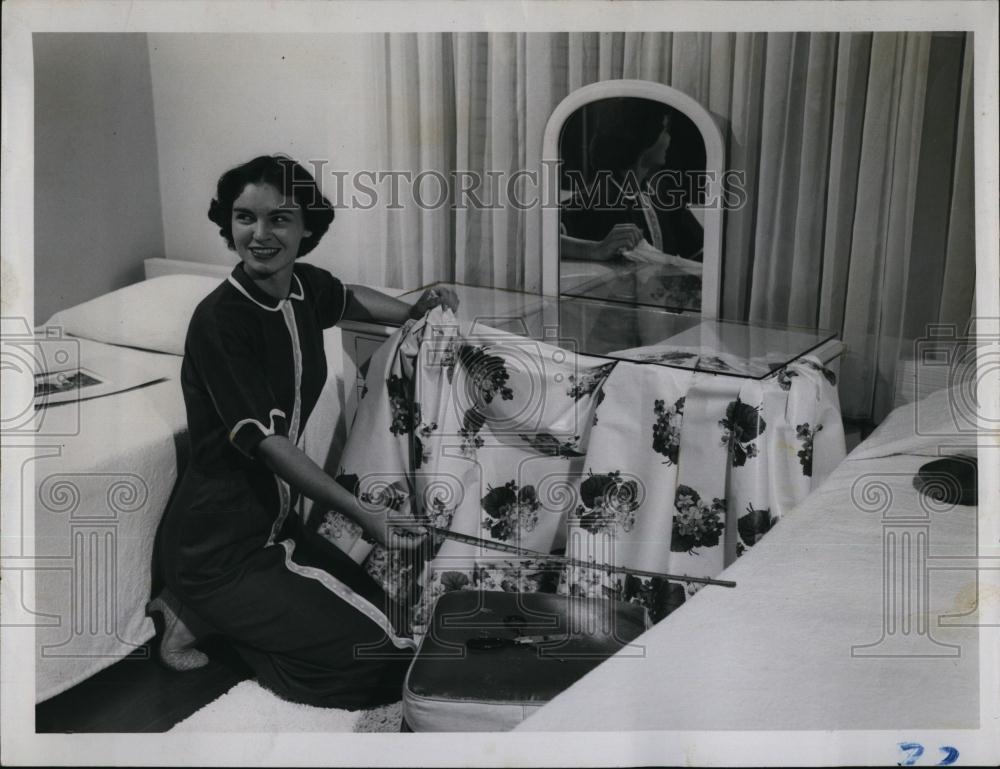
{"x":102,"y":375}
{"x":62,"y":386}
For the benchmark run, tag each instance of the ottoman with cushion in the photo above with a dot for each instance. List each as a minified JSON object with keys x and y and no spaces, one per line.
{"x":490,"y":659}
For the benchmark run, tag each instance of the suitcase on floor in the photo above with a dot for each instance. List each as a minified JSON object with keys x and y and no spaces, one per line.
{"x":490,"y":659}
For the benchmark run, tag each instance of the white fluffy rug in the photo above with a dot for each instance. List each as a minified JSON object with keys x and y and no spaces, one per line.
{"x":249,"y":707}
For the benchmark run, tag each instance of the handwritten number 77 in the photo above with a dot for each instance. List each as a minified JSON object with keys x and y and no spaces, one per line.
{"x":916,"y":750}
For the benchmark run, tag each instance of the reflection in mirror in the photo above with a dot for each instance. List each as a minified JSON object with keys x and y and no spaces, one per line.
{"x":633,"y":174}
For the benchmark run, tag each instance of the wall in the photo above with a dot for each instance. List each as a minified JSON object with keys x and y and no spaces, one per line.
{"x":223,"y":99}
{"x":97,"y":200}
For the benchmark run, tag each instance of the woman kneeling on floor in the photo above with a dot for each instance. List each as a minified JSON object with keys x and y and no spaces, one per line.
{"x":237,"y":560}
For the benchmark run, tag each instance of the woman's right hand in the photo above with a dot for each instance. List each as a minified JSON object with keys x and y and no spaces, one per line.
{"x":377,"y":519}
{"x":622,"y":237}
{"x":388,"y":526}
{"x":406,"y":537}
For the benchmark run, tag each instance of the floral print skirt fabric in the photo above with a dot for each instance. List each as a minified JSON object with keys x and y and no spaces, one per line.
{"x":620,"y":464}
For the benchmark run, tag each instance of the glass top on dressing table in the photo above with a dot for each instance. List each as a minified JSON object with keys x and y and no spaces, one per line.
{"x":637,"y":333}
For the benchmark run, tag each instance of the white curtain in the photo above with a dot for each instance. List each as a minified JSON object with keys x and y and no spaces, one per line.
{"x":857,"y":151}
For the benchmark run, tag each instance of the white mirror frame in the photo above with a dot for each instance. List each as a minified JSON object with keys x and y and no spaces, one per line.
{"x":714,"y":158}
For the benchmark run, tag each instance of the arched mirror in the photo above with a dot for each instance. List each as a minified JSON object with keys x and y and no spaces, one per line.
{"x":640,"y":172}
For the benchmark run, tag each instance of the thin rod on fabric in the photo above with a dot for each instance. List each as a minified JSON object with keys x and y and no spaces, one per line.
{"x":490,"y":544}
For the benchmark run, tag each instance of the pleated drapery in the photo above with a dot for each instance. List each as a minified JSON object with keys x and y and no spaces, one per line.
{"x":856,"y":151}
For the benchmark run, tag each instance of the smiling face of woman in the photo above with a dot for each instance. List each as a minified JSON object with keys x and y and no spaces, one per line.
{"x":267,"y":229}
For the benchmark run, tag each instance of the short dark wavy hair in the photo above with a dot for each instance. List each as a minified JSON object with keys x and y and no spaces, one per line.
{"x":626,"y":127}
{"x":284,"y":174}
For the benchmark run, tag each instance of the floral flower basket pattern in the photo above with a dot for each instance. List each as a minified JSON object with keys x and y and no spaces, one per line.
{"x":397,"y":572}
{"x":510,"y":510}
{"x":827,"y":373}
{"x":590,"y":381}
{"x":487,"y":378}
{"x":696,"y":523}
{"x":785,"y":375}
{"x":667,"y":429}
{"x":784,"y":378}
{"x":487,"y":374}
{"x":608,"y":502}
{"x":405,"y":410}
{"x":438,"y":513}
{"x":741,"y":426}
{"x":660,"y":596}
{"x":806,"y":435}
{"x":752,"y":526}
{"x":421,"y":453}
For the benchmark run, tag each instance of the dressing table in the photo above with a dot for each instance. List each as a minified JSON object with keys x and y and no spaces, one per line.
{"x":720,"y":427}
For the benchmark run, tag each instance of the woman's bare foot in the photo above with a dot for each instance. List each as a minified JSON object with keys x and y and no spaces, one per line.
{"x":177,"y":650}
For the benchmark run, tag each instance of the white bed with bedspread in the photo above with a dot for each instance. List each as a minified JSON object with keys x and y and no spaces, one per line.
{"x":101,"y":492}
{"x":844,"y":616}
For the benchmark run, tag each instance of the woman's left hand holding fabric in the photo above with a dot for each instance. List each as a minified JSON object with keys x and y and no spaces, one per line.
{"x":434,"y":297}
{"x":367,"y":304}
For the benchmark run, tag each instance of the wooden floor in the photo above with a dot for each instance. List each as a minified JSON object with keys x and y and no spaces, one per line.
{"x":139,"y":695}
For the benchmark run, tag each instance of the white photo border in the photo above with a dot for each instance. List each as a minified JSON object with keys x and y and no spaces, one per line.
{"x":22,"y":746}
